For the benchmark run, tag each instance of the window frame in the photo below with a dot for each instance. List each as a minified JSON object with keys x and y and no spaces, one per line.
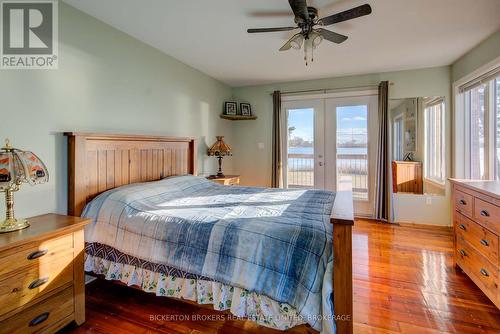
{"x":496,"y":132}
{"x":441,"y":180}
{"x":487,"y":132}
{"x":461,"y":143}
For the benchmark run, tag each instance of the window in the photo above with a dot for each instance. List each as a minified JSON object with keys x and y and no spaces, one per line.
{"x":476,"y":107}
{"x":300,"y":155}
{"x":434,"y":140}
{"x":481,"y":105}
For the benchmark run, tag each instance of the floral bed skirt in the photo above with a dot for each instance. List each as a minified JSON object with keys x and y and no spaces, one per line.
{"x":239,"y":302}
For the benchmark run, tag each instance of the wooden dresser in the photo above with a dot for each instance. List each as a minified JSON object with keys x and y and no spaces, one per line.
{"x":407,"y":177}
{"x":476,"y":220}
{"x":41,"y":275}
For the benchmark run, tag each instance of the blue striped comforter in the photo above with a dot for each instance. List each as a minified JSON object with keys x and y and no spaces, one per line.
{"x":275,"y":242}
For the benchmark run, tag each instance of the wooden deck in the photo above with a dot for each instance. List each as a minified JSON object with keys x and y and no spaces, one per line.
{"x":404,"y":282}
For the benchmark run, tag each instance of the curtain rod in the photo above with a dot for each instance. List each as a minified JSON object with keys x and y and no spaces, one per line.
{"x":327,"y":90}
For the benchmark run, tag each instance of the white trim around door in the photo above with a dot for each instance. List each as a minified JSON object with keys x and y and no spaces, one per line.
{"x":316,"y":150}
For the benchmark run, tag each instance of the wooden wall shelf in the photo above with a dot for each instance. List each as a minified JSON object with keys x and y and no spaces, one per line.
{"x":238,"y":117}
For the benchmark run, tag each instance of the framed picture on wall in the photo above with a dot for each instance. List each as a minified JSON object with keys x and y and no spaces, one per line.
{"x":246,"y":109}
{"x":230,"y":108}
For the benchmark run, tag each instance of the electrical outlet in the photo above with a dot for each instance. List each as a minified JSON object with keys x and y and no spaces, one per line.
{"x":428,"y":200}
{"x":260,"y":146}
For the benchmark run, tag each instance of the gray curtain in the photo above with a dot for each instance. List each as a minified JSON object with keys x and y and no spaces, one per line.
{"x":277,"y":163}
{"x":382,"y":191}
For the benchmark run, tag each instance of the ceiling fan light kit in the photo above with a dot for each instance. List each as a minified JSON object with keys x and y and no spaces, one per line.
{"x":297,"y":41}
{"x":310,"y":37}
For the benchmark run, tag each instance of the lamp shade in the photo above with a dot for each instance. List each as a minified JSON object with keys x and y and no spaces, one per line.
{"x":17,"y":166}
{"x":219,"y":148}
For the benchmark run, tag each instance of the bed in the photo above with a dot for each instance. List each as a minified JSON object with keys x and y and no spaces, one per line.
{"x":159,"y":227}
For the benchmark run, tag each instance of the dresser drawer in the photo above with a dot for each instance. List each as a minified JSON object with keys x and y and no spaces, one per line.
{"x":487,"y":214}
{"x":34,"y":254}
{"x":18,"y":289}
{"x":41,"y":317}
{"x":482,"y":272}
{"x":483,"y":240}
{"x":463,"y":202}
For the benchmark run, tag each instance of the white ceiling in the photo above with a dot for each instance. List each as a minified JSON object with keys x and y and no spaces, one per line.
{"x":210,"y":35}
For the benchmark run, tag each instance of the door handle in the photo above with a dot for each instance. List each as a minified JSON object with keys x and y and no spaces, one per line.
{"x":462,"y":252}
{"x":462,"y":227}
{"x":463,"y":202}
{"x":320,"y":163}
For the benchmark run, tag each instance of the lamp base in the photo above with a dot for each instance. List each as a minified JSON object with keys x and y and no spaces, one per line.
{"x":10,"y":225}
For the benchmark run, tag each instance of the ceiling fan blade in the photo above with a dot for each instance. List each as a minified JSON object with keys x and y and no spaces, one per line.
{"x":346,"y":15}
{"x":299,"y":8}
{"x":331,"y":36}
{"x":257,"y":30}
{"x":288,"y":44}
{"x":260,"y":13}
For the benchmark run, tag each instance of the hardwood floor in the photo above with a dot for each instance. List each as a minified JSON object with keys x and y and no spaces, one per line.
{"x":404,"y":282}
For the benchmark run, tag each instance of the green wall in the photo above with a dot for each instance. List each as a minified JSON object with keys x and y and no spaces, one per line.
{"x":482,"y":54}
{"x":107,"y":81}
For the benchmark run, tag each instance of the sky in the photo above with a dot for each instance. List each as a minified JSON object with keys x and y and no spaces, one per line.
{"x":351,"y":119}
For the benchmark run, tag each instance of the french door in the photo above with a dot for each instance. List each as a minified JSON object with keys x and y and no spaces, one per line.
{"x":325,"y":141}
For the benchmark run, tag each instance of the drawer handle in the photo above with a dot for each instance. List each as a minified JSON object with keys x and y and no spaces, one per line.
{"x":37,"y":254}
{"x":485,"y":242}
{"x":485,"y":213}
{"x":38,"y":282}
{"x":39,"y":319}
{"x":484,"y":272}
{"x":462,"y":252}
{"x":463,"y":202}
{"x":462,"y":227}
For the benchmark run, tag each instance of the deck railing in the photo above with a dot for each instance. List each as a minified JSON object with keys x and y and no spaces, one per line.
{"x":301,"y":171}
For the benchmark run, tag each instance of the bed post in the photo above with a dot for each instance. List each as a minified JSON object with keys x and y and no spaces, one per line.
{"x":77,"y":186}
{"x":343,"y":219}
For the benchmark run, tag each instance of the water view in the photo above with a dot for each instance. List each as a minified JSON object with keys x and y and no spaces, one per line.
{"x":352,"y":152}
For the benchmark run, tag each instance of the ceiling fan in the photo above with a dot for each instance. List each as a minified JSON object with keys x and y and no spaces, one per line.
{"x":307,"y":19}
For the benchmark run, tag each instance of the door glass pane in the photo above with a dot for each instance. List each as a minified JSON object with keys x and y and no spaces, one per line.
{"x":497,"y":133}
{"x":352,"y":148}
{"x":300,"y":155}
{"x":477,"y":132}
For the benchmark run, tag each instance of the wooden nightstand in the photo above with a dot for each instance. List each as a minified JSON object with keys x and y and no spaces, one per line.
{"x":42,"y":286}
{"x":228,"y":180}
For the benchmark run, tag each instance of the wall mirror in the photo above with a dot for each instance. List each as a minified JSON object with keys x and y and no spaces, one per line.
{"x":417,"y":145}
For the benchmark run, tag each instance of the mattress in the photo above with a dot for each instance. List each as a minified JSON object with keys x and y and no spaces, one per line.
{"x":274,"y":243}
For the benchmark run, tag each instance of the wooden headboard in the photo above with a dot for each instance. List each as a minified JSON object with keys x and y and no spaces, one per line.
{"x":99,"y":162}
